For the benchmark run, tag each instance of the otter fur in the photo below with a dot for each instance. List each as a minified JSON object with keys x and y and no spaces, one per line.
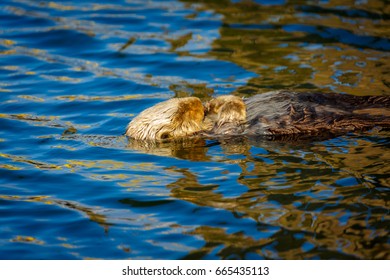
{"x":225,"y":115}
{"x":288,"y":113}
{"x":174,"y":118}
{"x":275,"y":113}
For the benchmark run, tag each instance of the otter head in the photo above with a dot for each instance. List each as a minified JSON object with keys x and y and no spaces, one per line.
{"x":174,"y":118}
{"x":225,"y":114}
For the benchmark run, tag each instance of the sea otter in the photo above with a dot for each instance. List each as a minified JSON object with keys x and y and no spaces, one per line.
{"x":275,"y":113}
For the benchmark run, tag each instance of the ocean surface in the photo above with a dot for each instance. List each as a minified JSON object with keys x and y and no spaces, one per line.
{"x":74,"y":73}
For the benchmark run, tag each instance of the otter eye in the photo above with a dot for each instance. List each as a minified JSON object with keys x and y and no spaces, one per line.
{"x":165,"y":135}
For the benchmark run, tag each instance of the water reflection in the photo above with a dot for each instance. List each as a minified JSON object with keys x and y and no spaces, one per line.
{"x":190,"y":149}
{"x":297,"y":44}
{"x":304,"y":201}
{"x":92,"y":214}
{"x":73,"y":75}
{"x":309,"y":202}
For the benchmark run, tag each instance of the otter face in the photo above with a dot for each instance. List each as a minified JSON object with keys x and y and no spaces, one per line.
{"x":225,"y":114}
{"x":174,"y":118}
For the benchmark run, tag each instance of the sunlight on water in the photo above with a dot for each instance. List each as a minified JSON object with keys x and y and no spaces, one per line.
{"x":73,"y":74}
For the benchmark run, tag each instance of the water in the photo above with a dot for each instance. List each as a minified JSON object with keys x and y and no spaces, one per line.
{"x":73,"y":74}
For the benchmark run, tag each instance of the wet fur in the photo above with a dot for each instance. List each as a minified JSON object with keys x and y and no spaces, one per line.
{"x":277,"y":114}
{"x":293,"y":113}
{"x":174,"y":118}
{"x":225,"y":115}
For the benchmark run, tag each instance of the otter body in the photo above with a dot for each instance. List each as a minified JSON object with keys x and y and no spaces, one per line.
{"x":286,"y":113}
{"x":275,"y":113}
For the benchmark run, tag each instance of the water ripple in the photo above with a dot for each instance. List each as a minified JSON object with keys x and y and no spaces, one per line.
{"x":73,"y":74}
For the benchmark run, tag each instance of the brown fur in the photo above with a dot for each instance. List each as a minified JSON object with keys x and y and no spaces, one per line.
{"x":288,"y":113}
{"x":276,"y":113}
{"x":225,"y":115}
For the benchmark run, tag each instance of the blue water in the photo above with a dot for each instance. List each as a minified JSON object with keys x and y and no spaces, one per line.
{"x":74,"y":73}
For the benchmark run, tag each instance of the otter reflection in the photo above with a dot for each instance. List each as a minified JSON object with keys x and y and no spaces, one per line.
{"x":286,"y":189}
{"x":194,"y":149}
{"x":275,"y":113}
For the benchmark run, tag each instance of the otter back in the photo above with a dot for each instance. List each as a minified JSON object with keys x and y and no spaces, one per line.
{"x":287,"y":112}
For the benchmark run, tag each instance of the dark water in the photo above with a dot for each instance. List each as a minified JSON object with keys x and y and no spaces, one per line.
{"x":74,"y":73}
